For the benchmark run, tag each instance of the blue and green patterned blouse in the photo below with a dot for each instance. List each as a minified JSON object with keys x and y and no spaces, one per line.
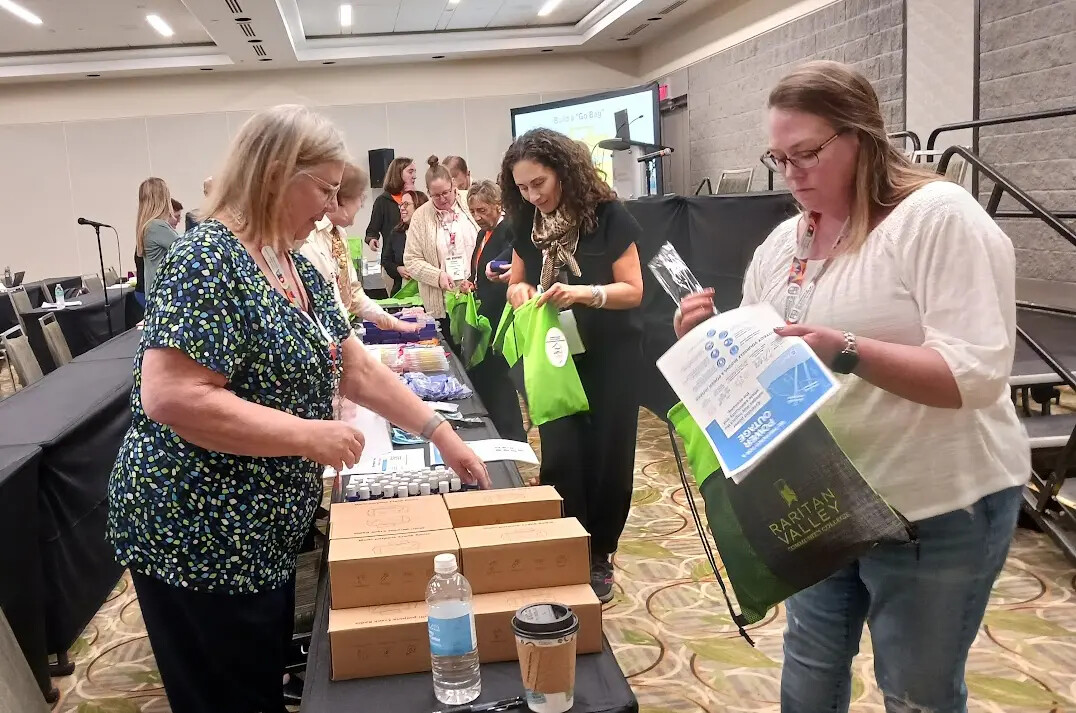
{"x":212,"y":521}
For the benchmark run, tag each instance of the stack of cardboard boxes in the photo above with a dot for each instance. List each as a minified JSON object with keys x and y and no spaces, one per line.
{"x":512,"y":545}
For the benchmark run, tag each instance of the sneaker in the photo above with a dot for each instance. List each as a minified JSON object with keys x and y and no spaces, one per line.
{"x":601,"y":579}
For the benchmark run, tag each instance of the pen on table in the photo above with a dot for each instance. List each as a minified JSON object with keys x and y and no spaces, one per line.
{"x":495,"y":707}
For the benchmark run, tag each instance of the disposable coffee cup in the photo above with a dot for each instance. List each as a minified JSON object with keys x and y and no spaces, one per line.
{"x":545,"y":642}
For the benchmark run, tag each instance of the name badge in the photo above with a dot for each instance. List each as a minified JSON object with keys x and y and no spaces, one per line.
{"x":456,"y":267}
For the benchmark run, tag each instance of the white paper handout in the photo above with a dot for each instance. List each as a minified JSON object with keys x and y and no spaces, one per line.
{"x":746,"y":387}
{"x":401,"y":461}
{"x":496,"y":449}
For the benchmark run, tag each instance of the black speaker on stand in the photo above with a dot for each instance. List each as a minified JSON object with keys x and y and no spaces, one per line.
{"x":379,"y":166}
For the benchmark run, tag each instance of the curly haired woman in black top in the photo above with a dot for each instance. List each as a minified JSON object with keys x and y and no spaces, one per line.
{"x":576,"y":244}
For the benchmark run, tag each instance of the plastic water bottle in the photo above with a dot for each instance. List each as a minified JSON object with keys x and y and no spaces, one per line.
{"x":453,"y":643}
{"x":8,"y":279}
{"x":59,"y":292}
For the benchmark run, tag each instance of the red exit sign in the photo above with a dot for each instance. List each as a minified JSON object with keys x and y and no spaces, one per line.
{"x":663,"y":92}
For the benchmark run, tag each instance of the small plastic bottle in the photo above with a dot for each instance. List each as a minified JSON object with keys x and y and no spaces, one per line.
{"x":453,"y":643}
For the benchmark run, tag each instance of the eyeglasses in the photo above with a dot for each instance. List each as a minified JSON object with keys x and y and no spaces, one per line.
{"x":442,"y":195}
{"x":329,"y":189}
{"x":803,"y":159}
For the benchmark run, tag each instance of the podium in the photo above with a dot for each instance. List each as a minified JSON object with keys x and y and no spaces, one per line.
{"x":629,"y":173}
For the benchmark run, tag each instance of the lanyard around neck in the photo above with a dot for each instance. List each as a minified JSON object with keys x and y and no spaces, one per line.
{"x":311,"y":316}
{"x":800,"y":290}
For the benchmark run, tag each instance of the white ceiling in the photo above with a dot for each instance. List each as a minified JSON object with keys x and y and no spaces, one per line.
{"x":71,"y":25}
{"x":321,"y":18}
{"x":86,"y":38}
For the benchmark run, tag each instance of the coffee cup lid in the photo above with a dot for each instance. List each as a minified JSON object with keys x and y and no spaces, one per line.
{"x":545,"y":621}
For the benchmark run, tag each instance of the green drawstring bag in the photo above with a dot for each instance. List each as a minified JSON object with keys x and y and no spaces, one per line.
{"x":803,"y":513}
{"x":408,"y":291}
{"x":470,"y":329}
{"x":504,"y":340}
{"x":551,"y":382}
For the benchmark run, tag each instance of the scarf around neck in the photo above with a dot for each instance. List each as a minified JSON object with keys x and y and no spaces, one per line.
{"x":557,"y":236}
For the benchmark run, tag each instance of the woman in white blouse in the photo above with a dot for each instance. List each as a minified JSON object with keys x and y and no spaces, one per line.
{"x":441,"y":243}
{"x":901,"y":281}
{"x":327,"y":248}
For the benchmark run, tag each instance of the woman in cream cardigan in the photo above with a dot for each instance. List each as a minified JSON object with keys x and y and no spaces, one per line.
{"x":441,"y":243}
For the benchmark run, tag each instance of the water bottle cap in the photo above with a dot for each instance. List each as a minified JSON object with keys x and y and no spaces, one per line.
{"x":444,"y":564}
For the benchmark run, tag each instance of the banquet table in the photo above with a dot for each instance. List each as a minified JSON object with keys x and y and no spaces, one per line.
{"x":85,"y":326}
{"x":600,"y":685}
{"x":77,"y":417}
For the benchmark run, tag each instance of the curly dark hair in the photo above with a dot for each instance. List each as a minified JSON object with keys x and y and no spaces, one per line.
{"x":582,"y":185}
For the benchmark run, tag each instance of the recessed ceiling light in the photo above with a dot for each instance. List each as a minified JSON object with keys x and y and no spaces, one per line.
{"x":20,"y":12}
{"x":242,"y":19}
{"x":330,"y":62}
{"x":622,"y":39}
{"x":453,"y":2}
{"x":206,"y":69}
{"x":345,"y":15}
{"x":93,"y":76}
{"x":547,"y":50}
{"x":159,"y":25}
{"x":266,"y":59}
{"x":438,"y":56}
{"x":654,"y":19}
{"x":254,"y":41}
{"x":548,"y":8}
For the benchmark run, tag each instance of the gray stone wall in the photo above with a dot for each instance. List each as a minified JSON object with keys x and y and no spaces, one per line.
{"x":1027,"y":62}
{"x":727,"y":92}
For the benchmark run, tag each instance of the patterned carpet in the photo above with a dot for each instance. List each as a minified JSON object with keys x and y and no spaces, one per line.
{"x":672,"y":634}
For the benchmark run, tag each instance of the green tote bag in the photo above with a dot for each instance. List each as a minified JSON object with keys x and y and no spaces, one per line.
{"x":470,"y":329}
{"x":550,"y":380}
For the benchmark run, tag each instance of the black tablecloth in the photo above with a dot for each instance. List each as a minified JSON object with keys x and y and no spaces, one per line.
{"x":37,"y":296}
{"x":85,"y":326}
{"x":600,"y":686}
{"x":21,"y":587}
{"x":77,"y":415}
{"x":122,"y":347}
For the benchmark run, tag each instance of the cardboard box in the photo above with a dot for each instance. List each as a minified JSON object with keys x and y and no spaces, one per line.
{"x":388,"y":517}
{"x":525,"y":555}
{"x":476,"y":508}
{"x":386,"y":569}
{"x":493,"y":619}
{"x":379,"y":641}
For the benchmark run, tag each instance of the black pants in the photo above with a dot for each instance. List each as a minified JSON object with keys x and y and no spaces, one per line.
{"x":219,"y":653}
{"x":590,"y":458}
{"x":498,"y":394}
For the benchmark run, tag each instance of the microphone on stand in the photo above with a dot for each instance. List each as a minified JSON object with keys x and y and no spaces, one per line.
{"x":655,"y":154}
{"x":101,"y":257}
{"x":94,"y":223}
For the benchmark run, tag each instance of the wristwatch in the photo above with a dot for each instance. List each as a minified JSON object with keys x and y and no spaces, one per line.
{"x":432,"y":425}
{"x":847,"y":361}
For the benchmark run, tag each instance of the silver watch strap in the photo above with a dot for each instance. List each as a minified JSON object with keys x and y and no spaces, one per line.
{"x":435,"y":421}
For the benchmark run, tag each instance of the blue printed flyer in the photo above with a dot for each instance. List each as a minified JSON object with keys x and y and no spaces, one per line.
{"x":744,"y":385}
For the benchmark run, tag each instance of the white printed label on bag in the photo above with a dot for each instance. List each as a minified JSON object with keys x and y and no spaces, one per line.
{"x":556,"y":347}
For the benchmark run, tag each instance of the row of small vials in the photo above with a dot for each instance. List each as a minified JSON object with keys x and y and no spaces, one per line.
{"x":431,"y":481}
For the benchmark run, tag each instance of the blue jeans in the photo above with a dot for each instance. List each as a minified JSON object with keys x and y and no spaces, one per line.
{"x":923,"y":604}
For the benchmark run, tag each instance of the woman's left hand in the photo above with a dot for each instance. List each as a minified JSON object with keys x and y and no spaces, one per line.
{"x":564,"y":296}
{"x":460,"y":458}
{"x":825,"y":342}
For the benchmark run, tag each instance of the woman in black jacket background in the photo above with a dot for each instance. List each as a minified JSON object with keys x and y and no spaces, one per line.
{"x":490,"y":377}
{"x":385,"y":211}
{"x":392,"y":255}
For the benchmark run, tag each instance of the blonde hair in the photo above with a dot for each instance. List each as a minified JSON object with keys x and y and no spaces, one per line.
{"x":485,"y":191}
{"x":845,"y":98}
{"x":154,"y":203}
{"x":271,"y":148}
{"x":353,"y":183}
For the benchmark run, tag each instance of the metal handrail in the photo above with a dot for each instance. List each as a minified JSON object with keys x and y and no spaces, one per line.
{"x":907,"y":135}
{"x":1008,"y":214}
{"x":1003,"y":184}
{"x":709,"y":187}
{"x":997,"y":121}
